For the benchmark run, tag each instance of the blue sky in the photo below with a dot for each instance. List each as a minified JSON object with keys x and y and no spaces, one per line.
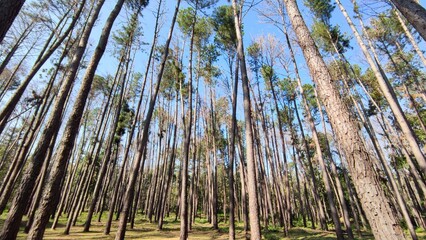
{"x":253,"y":27}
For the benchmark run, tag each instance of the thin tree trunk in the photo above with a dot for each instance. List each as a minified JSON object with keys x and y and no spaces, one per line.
{"x":410,"y":37}
{"x":251,"y":170}
{"x":389,"y":94}
{"x":113,"y":129}
{"x":232,"y":155}
{"x":315,"y":195}
{"x":15,"y":47}
{"x":187,"y":140}
{"x":128,"y":197}
{"x":170,"y":167}
{"x":42,"y":58}
{"x":300,"y":190}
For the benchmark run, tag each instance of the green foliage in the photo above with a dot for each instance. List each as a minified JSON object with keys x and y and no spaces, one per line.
{"x":135,"y":85}
{"x":203,"y":31}
{"x":323,"y":138}
{"x":405,"y":69}
{"x":356,"y":8}
{"x":186,"y":20}
{"x":127,"y":34}
{"x":286,"y":116}
{"x":255,"y":58}
{"x":172,"y":79}
{"x":386,"y":29}
{"x":311,"y":99}
{"x":415,"y":123}
{"x":340,"y":69}
{"x":189,"y":20}
{"x":288,"y":88}
{"x":330,"y":38}
{"x":268,"y":75}
{"x":209,"y":56}
{"x":137,"y":4}
{"x":309,"y":92}
{"x":321,"y":9}
{"x":398,"y":161}
{"x":173,"y":76}
{"x":372,"y":86}
{"x":124,"y":121}
{"x":100,"y":85}
{"x":223,"y":24}
{"x":372,"y":109}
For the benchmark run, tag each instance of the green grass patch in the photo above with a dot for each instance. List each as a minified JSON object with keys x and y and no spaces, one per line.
{"x":201,"y":230}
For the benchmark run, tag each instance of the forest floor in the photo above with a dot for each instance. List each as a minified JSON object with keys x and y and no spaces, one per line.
{"x":201,"y":230}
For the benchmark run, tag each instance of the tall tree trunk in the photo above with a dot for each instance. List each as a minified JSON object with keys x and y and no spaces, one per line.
{"x":243,"y":179}
{"x":324,"y":169}
{"x":300,"y":190}
{"x":388,"y":93}
{"x":410,"y":37}
{"x":170,"y":167}
{"x":45,"y":54}
{"x":187,"y":140}
{"x":287,"y":213}
{"x":11,"y":225}
{"x":414,"y":13}
{"x":11,"y":78}
{"x":28,"y":139}
{"x":128,"y":197}
{"x":8,"y":12}
{"x":313,"y":181}
{"x":28,"y":29}
{"x":339,"y":187}
{"x":251,"y":169}
{"x":51,"y":194}
{"x":108,"y":152}
{"x":232,"y":154}
{"x":383,"y":222}
{"x":309,"y":119}
{"x":193,"y":188}
{"x":214,"y":186}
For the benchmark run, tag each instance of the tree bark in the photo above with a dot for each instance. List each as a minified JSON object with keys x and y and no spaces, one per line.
{"x":187,"y":140}
{"x":251,"y":169}
{"x":46,"y":53}
{"x":232,"y":154}
{"x":8,"y":12}
{"x":128,"y":197}
{"x":414,"y":13}
{"x":383,"y":222}
{"x":387,"y":92}
{"x":51,"y":194}
{"x":101,"y":175}
{"x":11,"y":225}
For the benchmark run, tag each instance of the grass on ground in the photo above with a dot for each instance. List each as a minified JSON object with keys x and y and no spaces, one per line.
{"x":202,"y":230}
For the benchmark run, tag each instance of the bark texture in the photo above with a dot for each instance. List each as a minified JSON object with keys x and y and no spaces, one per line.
{"x":414,"y":13}
{"x":383,"y":222}
{"x":52,"y":193}
{"x":8,"y":12}
{"x":251,"y":164}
